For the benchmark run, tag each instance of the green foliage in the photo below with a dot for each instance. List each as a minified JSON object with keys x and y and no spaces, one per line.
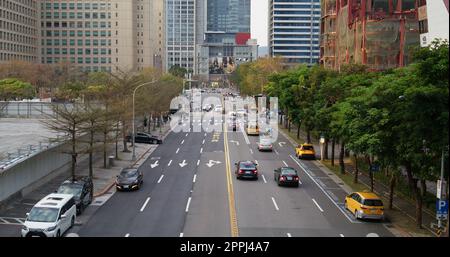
{"x":14,"y":89}
{"x":178,"y":71}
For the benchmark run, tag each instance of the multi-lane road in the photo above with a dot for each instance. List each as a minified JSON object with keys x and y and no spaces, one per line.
{"x":190,"y":190}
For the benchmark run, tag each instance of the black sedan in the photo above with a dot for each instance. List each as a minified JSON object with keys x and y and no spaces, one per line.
{"x":286,"y":176}
{"x":82,"y":190}
{"x":246,"y":169}
{"x":145,"y":138}
{"x":129,"y":179}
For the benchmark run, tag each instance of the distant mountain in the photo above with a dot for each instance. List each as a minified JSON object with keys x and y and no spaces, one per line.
{"x":263,"y":51}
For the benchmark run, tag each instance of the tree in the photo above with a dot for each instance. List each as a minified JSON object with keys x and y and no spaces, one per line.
{"x":178,"y":71}
{"x":66,"y":120}
{"x":14,"y":89}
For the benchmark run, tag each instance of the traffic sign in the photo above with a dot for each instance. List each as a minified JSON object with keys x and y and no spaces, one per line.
{"x":441,"y":209}
{"x":375,"y":167}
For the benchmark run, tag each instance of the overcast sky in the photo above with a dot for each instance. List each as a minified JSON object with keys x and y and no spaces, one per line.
{"x":259,"y":21}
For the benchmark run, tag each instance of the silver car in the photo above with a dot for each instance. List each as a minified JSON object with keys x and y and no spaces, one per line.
{"x":265,"y":144}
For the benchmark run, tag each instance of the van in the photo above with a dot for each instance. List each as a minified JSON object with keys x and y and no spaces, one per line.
{"x":52,"y":216}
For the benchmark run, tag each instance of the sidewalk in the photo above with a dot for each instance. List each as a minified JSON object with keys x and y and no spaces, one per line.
{"x":405,"y":206}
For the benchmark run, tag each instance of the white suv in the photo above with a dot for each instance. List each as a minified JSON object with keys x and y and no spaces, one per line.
{"x":52,"y":216}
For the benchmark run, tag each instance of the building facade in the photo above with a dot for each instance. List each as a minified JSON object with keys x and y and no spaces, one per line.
{"x":433,"y":21}
{"x":180,"y":33}
{"x":18,"y":30}
{"x":294,"y":30}
{"x":377,"y":33}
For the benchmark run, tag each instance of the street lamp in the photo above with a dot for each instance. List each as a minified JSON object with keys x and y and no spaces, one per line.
{"x":133,"y":158}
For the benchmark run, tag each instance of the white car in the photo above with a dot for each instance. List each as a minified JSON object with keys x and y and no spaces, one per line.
{"x":50,"y":217}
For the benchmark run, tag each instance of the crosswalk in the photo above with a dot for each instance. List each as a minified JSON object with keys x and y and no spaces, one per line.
{"x":11,"y":221}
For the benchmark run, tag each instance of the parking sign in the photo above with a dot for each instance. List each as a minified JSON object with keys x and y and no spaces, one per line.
{"x":441,"y":209}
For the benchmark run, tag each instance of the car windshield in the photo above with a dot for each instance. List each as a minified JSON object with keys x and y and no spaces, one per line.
{"x":247,"y":166}
{"x":70,"y":189}
{"x":373,"y":202}
{"x":308,"y":147}
{"x":265,"y":142}
{"x":128,"y":173}
{"x":288,"y":172}
{"x":43,"y":214}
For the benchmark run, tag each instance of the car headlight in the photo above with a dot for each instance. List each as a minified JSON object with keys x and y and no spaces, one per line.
{"x":136,"y":181}
{"x":25,"y":228}
{"x":51,"y":228}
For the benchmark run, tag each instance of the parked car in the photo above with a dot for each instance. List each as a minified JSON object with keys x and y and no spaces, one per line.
{"x":146,"y":138}
{"x":81,"y":189}
{"x":365,"y":205}
{"x":246,"y":169}
{"x":129,"y":179}
{"x":50,"y":217}
{"x":286,"y":176}
{"x":305,"y":151}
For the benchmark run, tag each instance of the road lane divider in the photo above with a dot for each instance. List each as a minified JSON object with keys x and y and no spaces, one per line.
{"x":145,"y":204}
{"x":285,"y":164}
{"x":188,"y":203}
{"x":194,"y":179}
{"x":198,"y":162}
{"x":289,"y":234}
{"x":275,"y":204}
{"x":318,"y":206}
{"x":264,"y":178}
{"x":231,"y":201}
{"x":201,"y":150}
{"x":181,"y":234}
{"x":275,"y":150}
{"x":177,"y":150}
{"x":182,"y":142}
{"x":324,"y":191}
{"x":160,"y":178}
{"x":127,"y":235}
{"x":170,"y":163}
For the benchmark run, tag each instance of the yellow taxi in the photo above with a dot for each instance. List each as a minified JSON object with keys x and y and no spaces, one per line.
{"x":365,"y":205}
{"x":252,"y":129}
{"x":305,"y":151}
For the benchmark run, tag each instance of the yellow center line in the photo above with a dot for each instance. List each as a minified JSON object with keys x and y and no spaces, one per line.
{"x":231,"y":202}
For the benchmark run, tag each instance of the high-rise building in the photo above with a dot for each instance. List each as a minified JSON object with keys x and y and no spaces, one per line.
{"x":225,"y":38}
{"x":18,"y":30}
{"x":376,"y":33}
{"x":433,"y":20}
{"x":157,"y":32}
{"x":294,"y":30}
{"x":180,"y":33}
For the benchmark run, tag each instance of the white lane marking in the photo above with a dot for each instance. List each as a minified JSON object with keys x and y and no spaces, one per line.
{"x":187,"y":134}
{"x":323,"y":190}
{"x":289,"y":234}
{"x":276,"y":151}
{"x":145,"y":204}
{"x":205,"y":134}
{"x":170,"y":162}
{"x":194,"y":179}
{"x":19,"y":220}
{"x":201,"y":150}
{"x":203,"y":142}
{"x":187,"y":205}
{"x":341,"y":235}
{"x":300,"y":182}
{"x":256,"y":161}
{"x":198,"y":162}
{"x":285,"y":164}
{"x":177,"y":150}
{"x":159,"y":180}
{"x":181,"y":234}
{"x":246,"y":138}
{"x":182,"y":142}
{"x":251,"y":151}
{"x":318,"y":206}
{"x":275,"y":204}
{"x":127,"y":235}
{"x":5,"y":221}
{"x":264,"y":178}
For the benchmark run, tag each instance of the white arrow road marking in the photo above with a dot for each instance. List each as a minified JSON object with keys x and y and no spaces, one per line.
{"x":282,"y":143}
{"x":177,"y":150}
{"x":212,"y":163}
{"x":184,"y":163}
{"x":170,"y":162}
{"x":145,"y":204}
{"x":156,"y":164}
{"x":187,"y":205}
{"x":275,"y":204}
{"x":159,"y":180}
{"x":264,"y":178}
{"x":285,"y":164}
{"x":236,"y":142}
{"x":318,"y":206}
